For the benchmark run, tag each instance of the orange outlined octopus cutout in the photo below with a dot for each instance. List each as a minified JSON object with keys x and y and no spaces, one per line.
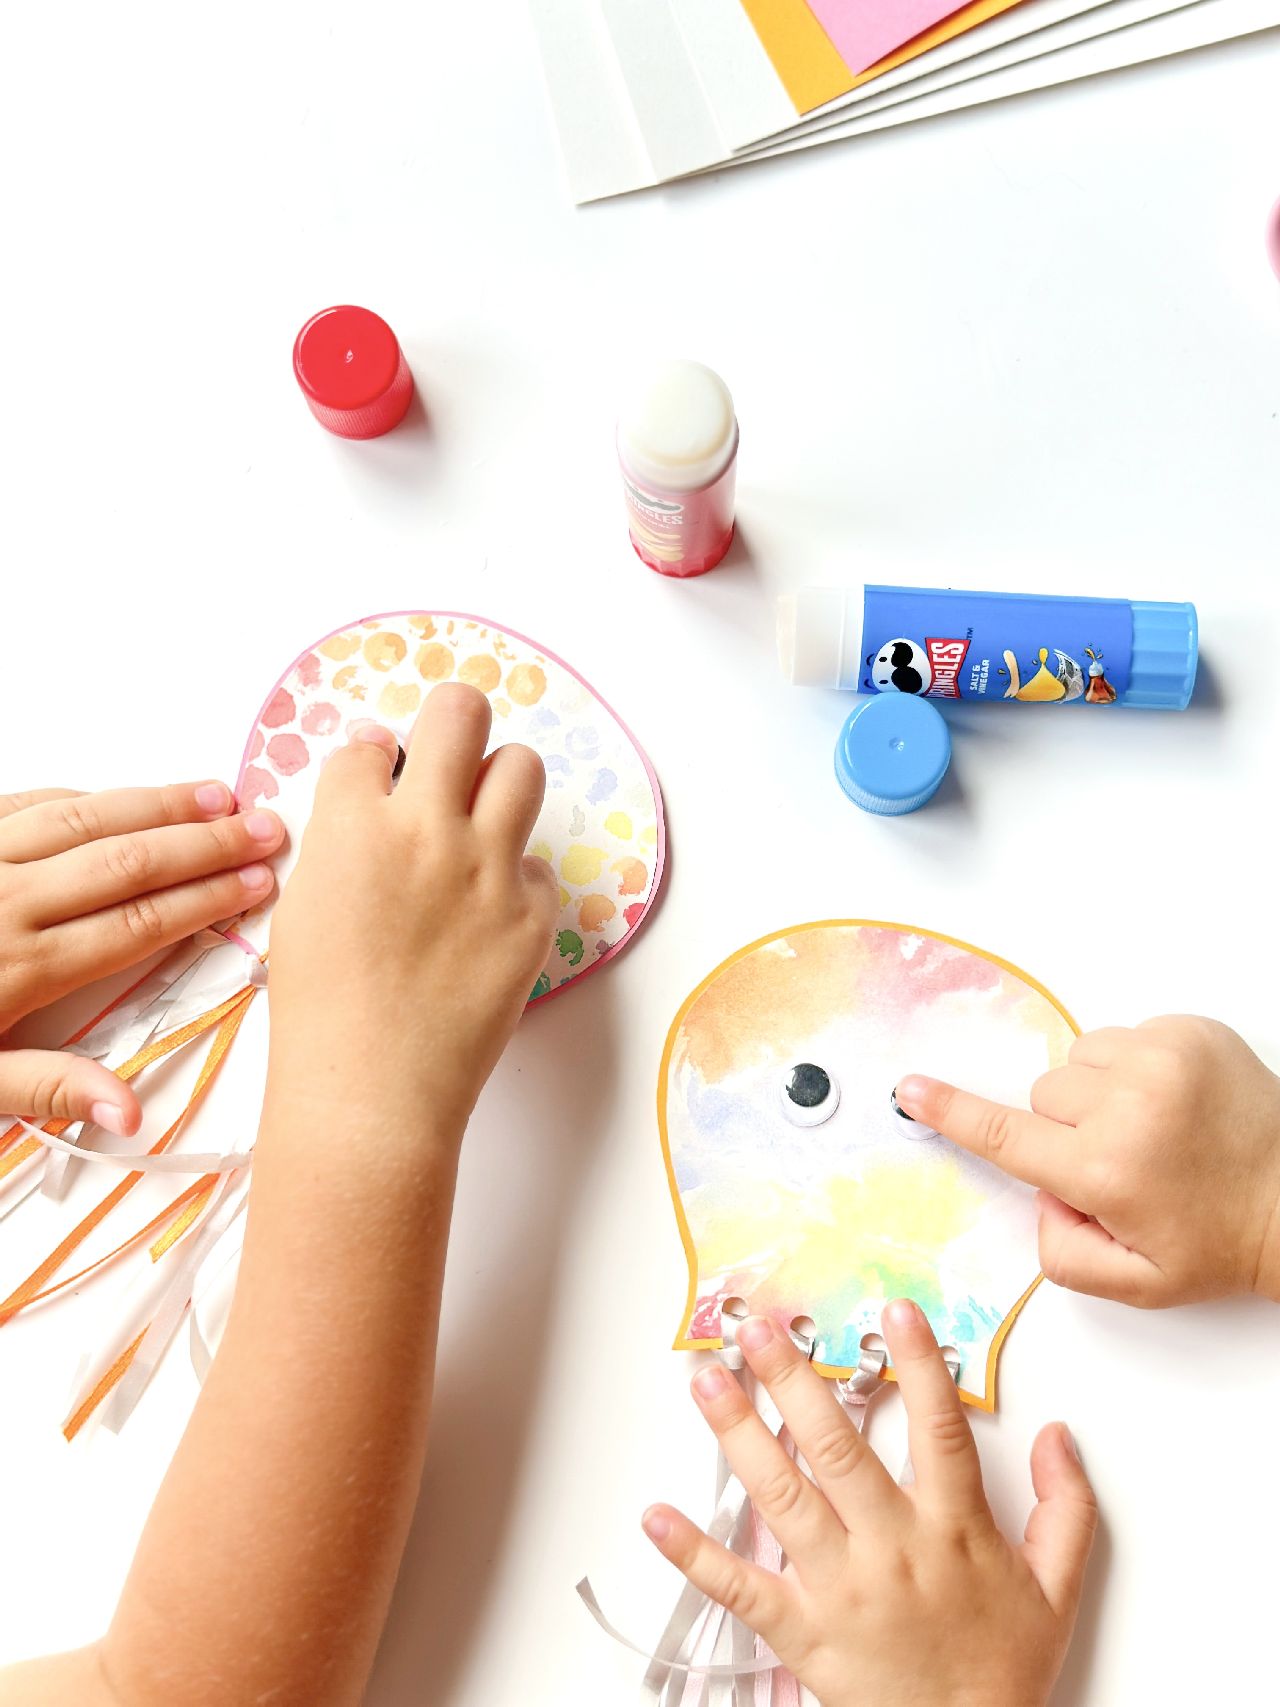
{"x":601,"y":826}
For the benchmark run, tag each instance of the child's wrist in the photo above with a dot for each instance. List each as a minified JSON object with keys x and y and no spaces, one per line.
{"x":354,"y":1111}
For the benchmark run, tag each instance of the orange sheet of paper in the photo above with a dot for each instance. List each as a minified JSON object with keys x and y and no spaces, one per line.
{"x":811,"y":70}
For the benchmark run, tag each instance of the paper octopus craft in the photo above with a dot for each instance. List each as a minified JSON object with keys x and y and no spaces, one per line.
{"x":601,"y":828}
{"x":798,"y":1187}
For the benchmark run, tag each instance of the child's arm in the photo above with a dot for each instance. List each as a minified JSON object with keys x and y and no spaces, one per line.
{"x":901,"y":1597}
{"x":1157,"y":1152}
{"x":93,"y":883}
{"x":402,"y":954}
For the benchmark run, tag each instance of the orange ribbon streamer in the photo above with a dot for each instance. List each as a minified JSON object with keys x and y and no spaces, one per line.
{"x":228,"y":1017}
{"x":154,"y":1051}
{"x":76,"y":1421}
{"x":55,"y":1128}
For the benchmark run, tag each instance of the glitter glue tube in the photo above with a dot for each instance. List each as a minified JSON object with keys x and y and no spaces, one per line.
{"x":678,"y":449}
{"x":1020,"y":647}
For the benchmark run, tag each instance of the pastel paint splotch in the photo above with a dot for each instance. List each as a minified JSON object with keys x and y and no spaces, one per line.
{"x":829,"y":1212}
{"x":570,"y":946}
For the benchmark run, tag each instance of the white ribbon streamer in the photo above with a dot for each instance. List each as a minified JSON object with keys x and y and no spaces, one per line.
{"x":176,"y":992}
{"x":173,"y":1302}
{"x":128,"y":1027}
{"x":198,"y":975}
{"x":142,"y":1161}
{"x":674,"y":1660}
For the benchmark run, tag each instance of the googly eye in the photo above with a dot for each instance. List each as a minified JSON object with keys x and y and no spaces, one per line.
{"x":398,"y":767}
{"x":808,"y":1093}
{"x":903,"y":1123}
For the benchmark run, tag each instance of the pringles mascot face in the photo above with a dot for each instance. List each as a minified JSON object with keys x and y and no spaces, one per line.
{"x":797,"y":1186}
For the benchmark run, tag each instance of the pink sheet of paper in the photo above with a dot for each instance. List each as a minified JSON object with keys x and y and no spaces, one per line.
{"x":863,"y":31}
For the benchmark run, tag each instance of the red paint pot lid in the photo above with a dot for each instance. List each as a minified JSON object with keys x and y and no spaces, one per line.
{"x":346,"y":358}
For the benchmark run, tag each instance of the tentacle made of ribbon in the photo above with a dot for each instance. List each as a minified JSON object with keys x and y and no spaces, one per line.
{"x":677,"y":1659}
{"x":132,"y":1375}
{"x":147,"y":1161}
{"x":199,"y":974}
{"x":197,"y":1194}
{"x":14,"y":1133}
{"x":227,"y":1018}
{"x":130,"y":1022}
{"x":146,"y":1057}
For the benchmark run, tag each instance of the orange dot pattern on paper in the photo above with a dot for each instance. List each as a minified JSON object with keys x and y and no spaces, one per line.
{"x":526,"y":684}
{"x":600,"y":824}
{"x":480,"y":671}
{"x":595,"y":911}
{"x":384,"y":651}
{"x":399,"y":700}
{"x":435,"y":662}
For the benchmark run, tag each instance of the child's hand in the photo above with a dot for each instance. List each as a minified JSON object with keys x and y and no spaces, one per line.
{"x":93,"y":883}
{"x":901,"y":1597}
{"x":408,"y":939}
{"x":1165,"y":1143}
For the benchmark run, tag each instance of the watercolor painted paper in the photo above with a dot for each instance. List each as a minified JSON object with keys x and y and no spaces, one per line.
{"x":601,"y":824}
{"x":1186,"y":27}
{"x":796,"y":1186}
{"x":864,"y":31}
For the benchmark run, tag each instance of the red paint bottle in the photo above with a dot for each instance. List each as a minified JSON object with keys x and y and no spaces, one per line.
{"x":352,"y":372}
{"x":678,"y":450}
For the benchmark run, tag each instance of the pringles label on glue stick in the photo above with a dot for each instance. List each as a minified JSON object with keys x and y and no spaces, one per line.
{"x":1000,"y":648}
{"x":678,"y":448}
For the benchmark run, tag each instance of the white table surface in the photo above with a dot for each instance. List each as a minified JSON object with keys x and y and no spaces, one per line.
{"x":1035,"y":346}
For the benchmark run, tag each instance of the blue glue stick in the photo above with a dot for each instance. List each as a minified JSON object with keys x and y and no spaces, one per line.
{"x":1021,"y":647}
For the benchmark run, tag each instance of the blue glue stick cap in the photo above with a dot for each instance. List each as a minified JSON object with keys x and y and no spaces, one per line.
{"x":1166,"y":648}
{"x":892,"y":753}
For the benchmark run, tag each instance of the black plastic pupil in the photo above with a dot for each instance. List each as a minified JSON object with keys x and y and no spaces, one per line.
{"x":808,"y":1086}
{"x":401,"y":756}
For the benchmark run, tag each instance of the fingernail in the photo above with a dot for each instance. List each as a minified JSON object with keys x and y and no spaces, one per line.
{"x":913,"y":1091}
{"x":376,"y":733}
{"x":902,"y":1313}
{"x":262,"y":826}
{"x":709,"y":1383}
{"x":656,"y":1524}
{"x":256,"y":877}
{"x":213,"y":797}
{"x":755,"y":1333}
{"x":1069,"y":1442}
{"x":108,"y":1117}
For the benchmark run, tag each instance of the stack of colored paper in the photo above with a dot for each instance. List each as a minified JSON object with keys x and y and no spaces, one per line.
{"x":647,"y":91}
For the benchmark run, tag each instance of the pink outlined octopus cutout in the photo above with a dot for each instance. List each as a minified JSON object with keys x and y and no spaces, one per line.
{"x":601,"y":826}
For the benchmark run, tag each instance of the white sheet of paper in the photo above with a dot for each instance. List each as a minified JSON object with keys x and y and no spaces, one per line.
{"x":679,"y":133}
{"x":745,"y":94}
{"x":641,"y":95}
{"x":1194,"y":25}
{"x":601,"y":146}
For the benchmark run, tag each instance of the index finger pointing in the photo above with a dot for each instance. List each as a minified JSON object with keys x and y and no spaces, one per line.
{"x":1042,"y":1152}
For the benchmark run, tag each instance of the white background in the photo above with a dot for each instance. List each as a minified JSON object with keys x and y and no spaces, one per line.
{"x":1035,"y":346}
